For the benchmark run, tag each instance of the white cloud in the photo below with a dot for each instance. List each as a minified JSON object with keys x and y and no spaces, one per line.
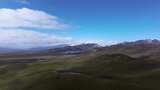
{"x":100,"y":42}
{"x":24,"y":39}
{"x":29,"y":18}
{"x":30,"y":39}
{"x":17,"y":25}
{"x":23,"y":1}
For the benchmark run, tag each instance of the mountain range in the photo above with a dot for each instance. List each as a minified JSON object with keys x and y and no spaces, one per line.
{"x":124,"y":66}
{"x":135,"y":48}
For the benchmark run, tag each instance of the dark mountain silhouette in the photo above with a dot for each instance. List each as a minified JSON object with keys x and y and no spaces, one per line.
{"x":141,"y":48}
{"x":78,"y":49}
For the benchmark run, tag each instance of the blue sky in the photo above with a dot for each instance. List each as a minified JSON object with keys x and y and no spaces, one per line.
{"x":107,"y":20}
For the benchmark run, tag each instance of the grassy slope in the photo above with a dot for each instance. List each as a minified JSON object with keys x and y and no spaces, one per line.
{"x":104,"y":72}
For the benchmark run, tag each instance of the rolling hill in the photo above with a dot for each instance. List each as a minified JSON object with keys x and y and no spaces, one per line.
{"x":125,"y":66}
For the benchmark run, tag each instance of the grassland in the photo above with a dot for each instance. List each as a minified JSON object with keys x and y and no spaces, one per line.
{"x":83,"y":72}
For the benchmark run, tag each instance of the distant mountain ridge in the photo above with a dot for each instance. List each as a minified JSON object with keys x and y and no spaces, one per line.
{"x":56,"y":50}
{"x":82,"y":48}
{"x":4,"y":50}
{"x":136,"y":48}
{"x":140,"y":42}
{"x":141,"y":48}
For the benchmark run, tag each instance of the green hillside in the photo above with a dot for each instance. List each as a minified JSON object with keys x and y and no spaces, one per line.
{"x":84,"y":72}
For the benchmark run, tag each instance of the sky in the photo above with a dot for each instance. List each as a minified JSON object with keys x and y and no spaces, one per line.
{"x":30,"y":23}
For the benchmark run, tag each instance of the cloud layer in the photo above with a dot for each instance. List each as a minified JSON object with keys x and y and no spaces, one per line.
{"x":29,"y":39}
{"x":23,"y":1}
{"x":29,"y":18}
{"x":17,"y":29}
